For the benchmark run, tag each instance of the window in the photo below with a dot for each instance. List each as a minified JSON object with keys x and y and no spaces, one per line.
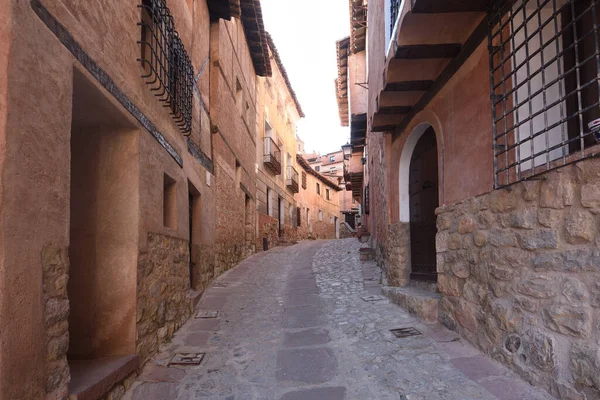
{"x":332,"y":159}
{"x":320,"y":215}
{"x":299,"y":216}
{"x":317,"y":168}
{"x":353,"y":200}
{"x":303,"y":180}
{"x":239,"y":96}
{"x":327,"y":194}
{"x":544,"y":64}
{"x":318,"y":189}
{"x":166,"y":65}
{"x":269,"y":203}
{"x":169,"y":202}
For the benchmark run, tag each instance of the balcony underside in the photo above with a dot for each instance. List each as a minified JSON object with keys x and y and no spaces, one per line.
{"x":293,"y":187}
{"x":433,"y":39}
{"x":272,"y":164}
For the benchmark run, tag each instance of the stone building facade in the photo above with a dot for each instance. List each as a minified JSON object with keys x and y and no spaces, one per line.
{"x":318,"y":209}
{"x":128,"y":183}
{"x":277,"y":173}
{"x":480,"y":176}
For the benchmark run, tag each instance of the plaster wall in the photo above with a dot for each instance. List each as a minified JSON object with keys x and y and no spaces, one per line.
{"x":357,"y":82}
{"x":276,"y":106}
{"x":35,"y":132}
{"x":310,"y":203}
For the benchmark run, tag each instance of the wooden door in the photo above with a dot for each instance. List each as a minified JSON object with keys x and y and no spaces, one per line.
{"x":423,"y":193}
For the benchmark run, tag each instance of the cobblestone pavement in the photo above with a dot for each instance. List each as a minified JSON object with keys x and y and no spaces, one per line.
{"x":293,"y":324}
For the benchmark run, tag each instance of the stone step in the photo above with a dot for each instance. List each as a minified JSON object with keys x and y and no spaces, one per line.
{"x":418,"y":302}
{"x":367,"y":253}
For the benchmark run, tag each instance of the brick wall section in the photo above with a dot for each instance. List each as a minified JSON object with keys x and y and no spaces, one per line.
{"x":519,"y":273}
{"x":163,"y":287}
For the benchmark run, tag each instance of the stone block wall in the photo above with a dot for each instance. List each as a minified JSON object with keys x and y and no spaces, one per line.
{"x":519,"y":274}
{"x":55,"y":265}
{"x":163,"y":286}
{"x":395,"y":255}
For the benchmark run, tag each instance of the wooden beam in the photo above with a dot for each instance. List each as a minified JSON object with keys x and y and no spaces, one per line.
{"x":446,"y":6}
{"x":420,"y":51}
{"x":478,"y":35}
{"x":408,"y":86}
{"x":383,"y":128}
{"x":393,"y":110}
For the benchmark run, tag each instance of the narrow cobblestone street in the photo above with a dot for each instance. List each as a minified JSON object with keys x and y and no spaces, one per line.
{"x":293,"y":324}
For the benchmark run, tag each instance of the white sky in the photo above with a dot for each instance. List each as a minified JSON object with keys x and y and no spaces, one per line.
{"x":305,"y":33}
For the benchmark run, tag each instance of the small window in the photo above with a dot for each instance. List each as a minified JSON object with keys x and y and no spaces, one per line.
{"x":318,"y":189}
{"x":299,"y":216}
{"x":303,"y":180}
{"x":320,"y":215}
{"x":332,"y":159}
{"x":269,"y":203}
{"x":169,"y":202}
{"x":327,"y":194}
{"x":317,"y":168}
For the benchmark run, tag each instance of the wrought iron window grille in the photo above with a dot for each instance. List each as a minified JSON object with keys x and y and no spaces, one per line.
{"x":544,"y":71}
{"x":167,"y":67}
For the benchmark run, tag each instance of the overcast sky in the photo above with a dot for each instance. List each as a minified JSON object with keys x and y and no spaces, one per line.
{"x":305,"y":33}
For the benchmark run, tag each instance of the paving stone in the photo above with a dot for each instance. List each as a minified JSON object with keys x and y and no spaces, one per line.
{"x":205,"y":325}
{"x":328,"y":393}
{"x":301,"y":317}
{"x":307,"y":337}
{"x":303,"y":300}
{"x":310,"y":366}
{"x":197,"y":339}
{"x":477,"y":367}
{"x":279,"y":340}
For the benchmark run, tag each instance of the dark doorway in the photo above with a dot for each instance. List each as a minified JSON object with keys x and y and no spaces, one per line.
{"x":281,"y":216}
{"x":423,"y":193}
{"x":194,"y":226}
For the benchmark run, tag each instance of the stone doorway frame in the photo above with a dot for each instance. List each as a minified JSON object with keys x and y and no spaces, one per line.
{"x":403,"y":224}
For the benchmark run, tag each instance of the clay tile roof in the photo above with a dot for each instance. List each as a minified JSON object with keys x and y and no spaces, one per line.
{"x":306,"y":166}
{"x":284,"y":74}
{"x":358,"y":25}
{"x":256,"y":36}
{"x":250,"y":13}
{"x":341,"y":83}
{"x":224,"y":9}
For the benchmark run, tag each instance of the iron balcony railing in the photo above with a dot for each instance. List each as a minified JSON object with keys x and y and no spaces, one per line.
{"x":272,"y":156}
{"x":292,"y":179}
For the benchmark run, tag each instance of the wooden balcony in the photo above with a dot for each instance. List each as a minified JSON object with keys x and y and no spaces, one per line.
{"x":291,"y":179}
{"x":272,"y":156}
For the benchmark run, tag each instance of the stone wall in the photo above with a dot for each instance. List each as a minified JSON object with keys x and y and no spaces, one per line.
{"x":204,"y":266}
{"x":519,"y":273}
{"x":163,"y":287}
{"x":55,"y":266}
{"x":394,"y":257}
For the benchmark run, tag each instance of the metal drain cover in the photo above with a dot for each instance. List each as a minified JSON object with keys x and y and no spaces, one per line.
{"x":405,"y":332}
{"x":207,"y":314}
{"x":373,"y":297}
{"x":220,"y":284}
{"x":187,"y":359}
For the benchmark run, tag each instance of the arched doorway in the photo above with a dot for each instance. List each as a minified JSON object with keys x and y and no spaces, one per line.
{"x":423,"y":200}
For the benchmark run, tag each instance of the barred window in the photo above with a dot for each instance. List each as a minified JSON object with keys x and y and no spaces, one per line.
{"x":544,"y":60}
{"x":167,"y":68}
{"x":299,"y":216}
{"x":303,"y":180}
